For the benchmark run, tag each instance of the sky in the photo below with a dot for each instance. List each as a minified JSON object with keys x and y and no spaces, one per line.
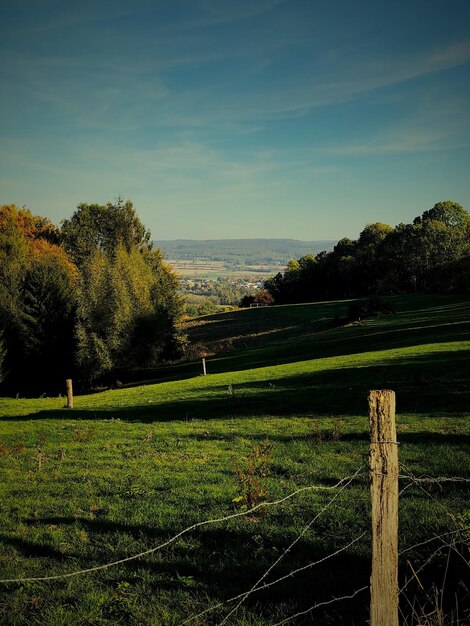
{"x":304,"y":119}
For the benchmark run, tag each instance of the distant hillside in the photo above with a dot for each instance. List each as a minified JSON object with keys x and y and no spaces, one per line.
{"x":242,"y":251}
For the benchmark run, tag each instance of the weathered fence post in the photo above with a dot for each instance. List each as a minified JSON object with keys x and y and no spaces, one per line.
{"x":384,"y":495}
{"x":68,"y":384}
{"x":204,"y":366}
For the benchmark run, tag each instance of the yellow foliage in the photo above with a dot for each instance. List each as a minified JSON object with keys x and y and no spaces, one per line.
{"x":31,"y":238}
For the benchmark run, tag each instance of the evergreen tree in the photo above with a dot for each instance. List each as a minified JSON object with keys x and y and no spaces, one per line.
{"x":37,"y":301}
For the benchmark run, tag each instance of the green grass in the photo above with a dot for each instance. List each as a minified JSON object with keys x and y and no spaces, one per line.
{"x":128,"y":468}
{"x":257,"y":337}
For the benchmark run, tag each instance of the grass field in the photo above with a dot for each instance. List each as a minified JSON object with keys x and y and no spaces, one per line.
{"x":127,"y":469}
{"x":214,"y":269}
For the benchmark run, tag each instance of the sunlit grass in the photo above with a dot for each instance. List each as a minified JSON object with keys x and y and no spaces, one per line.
{"x":128,"y":468}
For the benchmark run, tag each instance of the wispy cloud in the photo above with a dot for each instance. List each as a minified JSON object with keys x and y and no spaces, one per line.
{"x":226,"y":11}
{"x":65,"y":15}
{"x":351,"y":81}
{"x":438,"y":122}
{"x":412,"y":142}
{"x":227,"y":103}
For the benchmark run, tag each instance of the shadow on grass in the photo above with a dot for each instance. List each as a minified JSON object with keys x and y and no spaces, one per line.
{"x":432,"y":384}
{"x":34,"y":549}
{"x":229,"y":561}
{"x":315,"y":339}
{"x":404,"y":438}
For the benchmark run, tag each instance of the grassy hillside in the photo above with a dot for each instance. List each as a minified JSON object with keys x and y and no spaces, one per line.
{"x":265,"y":336}
{"x":129,"y":468}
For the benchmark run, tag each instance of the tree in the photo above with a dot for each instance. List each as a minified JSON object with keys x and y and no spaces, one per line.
{"x":103,"y":227}
{"x":438,"y":238}
{"x":453,"y":277}
{"x":115,"y":309}
{"x":128,"y":301}
{"x":3,"y":352}
{"x":47,"y":322}
{"x":37,"y":300}
{"x":261,"y":297}
{"x":275,"y":286}
{"x":429,"y":254}
{"x":368,"y":254}
{"x":447,"y":211}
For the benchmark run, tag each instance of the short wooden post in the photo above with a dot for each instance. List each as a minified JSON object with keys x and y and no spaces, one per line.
{"x":204,"y":366}
{"x":384,"y":494}
{"x":68,"y":384}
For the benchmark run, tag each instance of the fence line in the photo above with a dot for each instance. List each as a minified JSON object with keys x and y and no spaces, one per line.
{"x":439,"y":479}
{"x":449,"y":545}
{"x":422,"y":543}
{"x":181,"y":533}
{"x":453,"y":535}
{"x":416,"y":572}
{"x":291,"y":574}
{"x":289,"y":548}
{"x":316,"y":606}
{"x":419,"y":484}
{"x":384,"y":494}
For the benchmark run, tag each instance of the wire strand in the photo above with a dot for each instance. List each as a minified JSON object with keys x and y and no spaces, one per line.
{"x":175,"y":537}
{"x":319,"y":604}
{"x":275,"y":582}
{"x":289,"y":548}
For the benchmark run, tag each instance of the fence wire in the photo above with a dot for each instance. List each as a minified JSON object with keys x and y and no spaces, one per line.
{"x":448,"y":541}
{"x":319,"y":604}
{"x":256,"y":587}
{"x":166,"y":543}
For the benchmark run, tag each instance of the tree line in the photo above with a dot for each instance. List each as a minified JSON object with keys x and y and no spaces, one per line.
{"x":432,"y":254}
{"x":88,"y":299}
{"x":206,"y":295}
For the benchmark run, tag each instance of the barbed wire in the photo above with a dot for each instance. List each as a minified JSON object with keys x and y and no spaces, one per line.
{"x":178,"y":535}
{"x":319,"y":604}
{"x":341,"y":485}
{"x":423,"y":565}
{"x":435,"y":538}
{"x":449,"y":545}
{"x":438,"y":479}
{"x":460,"y":530}
{"x":245,"y":594}
{"x":419,"y":484}
{"x":291,"y":574}
{"x":416,"y":480}
{"x":289,"y":548}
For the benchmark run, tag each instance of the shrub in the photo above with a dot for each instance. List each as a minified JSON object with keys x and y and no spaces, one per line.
{"x":252,"y":475}
{"x":372,"y":307}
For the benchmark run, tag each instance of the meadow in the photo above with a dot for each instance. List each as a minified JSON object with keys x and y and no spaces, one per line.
{"x":285,"y":402}
{"x":215,"y":269}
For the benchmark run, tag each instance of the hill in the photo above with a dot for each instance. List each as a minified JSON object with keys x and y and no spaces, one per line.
{"x":128,"y":469}
{"x":243,"y":252}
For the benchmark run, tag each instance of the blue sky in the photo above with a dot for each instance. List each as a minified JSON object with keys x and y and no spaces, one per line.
{"x":237,"y":118}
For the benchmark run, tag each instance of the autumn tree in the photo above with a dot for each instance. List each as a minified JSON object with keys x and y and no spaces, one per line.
{"x":89,"y":299}
{"x":37,"y":300}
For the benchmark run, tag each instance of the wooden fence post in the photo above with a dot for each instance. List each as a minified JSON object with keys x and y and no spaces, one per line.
{"x":384,"y":495}
{"x":68,"y":384}
{"x":204,"y":366}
